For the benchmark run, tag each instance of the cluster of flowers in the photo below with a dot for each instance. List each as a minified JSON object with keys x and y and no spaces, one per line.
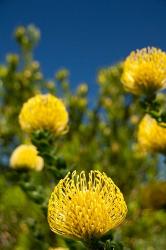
{"x":87,"y":206}
{"x":144,"y":73}
{"x":41,"y":112}
{"x":78,"y":199}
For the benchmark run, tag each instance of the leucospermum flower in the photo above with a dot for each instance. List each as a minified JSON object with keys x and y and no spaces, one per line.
{"x":26,"y":156}
{"x":85,"y":207}
{"x":144,"y":71}
{"x":44,"y":112}
{"x":151,"y":135}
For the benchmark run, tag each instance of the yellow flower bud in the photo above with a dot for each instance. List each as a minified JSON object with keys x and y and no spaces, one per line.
{"x":102,"y":78}
{"x":62,"y":75}
{"x":82,"y":89}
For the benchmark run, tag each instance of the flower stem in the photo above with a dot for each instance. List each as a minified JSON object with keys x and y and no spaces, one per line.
{"x":94,"y":245}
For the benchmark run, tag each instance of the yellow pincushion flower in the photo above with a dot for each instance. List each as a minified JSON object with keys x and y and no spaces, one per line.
{"x":144,"y":71}
{"x":44,"y":112}
{"x":26,"y":156}
{"x":85,"y":208}
{"x":151,"y":135}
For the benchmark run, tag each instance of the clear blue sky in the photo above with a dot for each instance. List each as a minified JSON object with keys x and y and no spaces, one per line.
{"x":84,"y":35}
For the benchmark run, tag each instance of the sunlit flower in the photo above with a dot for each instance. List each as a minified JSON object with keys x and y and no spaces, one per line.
{"x":85,"y":207}
{"x":151,"y":135}
{"x":145,"y":71}
{"x":26,"y":156}
{"x":44,"y":112}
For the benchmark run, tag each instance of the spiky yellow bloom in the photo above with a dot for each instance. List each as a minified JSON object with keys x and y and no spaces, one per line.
{"x":151,"y":135}
{"x":144,"y":71}
{"x":26,"y":156}
{"x":85,"y":207}
{"x":44,"y":112}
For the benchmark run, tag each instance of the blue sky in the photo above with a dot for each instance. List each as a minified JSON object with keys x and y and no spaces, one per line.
{"x":84,"y":35}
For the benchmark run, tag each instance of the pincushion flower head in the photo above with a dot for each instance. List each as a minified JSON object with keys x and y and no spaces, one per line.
{"x":44,"y":112}
{"x":152,"y":135}
{"x":26,"y":156}
{"x":85,"y":207}
{"x":144,"y":71}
